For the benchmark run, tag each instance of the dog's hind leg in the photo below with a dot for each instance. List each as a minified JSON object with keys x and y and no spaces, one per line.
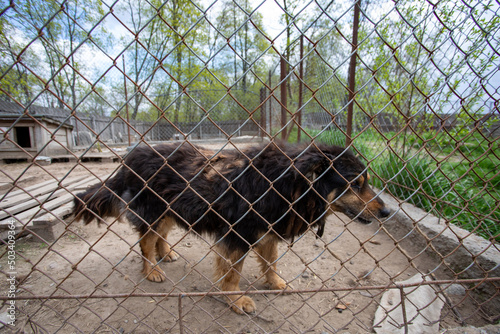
{"x":267,"y":255}
{"x":228,"y":266}
{"x":151,"y":269}
{"x":163,"y":250}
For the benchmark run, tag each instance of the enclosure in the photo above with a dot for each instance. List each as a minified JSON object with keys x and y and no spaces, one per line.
{"x":410,"y":87}
{"x":32,"y":134}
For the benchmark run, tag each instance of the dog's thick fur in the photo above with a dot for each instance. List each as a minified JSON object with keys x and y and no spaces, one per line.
{"x":248,"y":199}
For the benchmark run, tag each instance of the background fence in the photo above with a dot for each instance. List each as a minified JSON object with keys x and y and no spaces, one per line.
{"x":411,"y":87}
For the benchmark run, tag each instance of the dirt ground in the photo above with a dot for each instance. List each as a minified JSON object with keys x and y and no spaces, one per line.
{"x":106,"y":260}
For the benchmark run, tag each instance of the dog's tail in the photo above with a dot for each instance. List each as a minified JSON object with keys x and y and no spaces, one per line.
{"x":98,"y":201}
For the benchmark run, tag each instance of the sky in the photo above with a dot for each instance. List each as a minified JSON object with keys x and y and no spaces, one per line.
{"x":269,"y":9}
{"x":271,"y":13}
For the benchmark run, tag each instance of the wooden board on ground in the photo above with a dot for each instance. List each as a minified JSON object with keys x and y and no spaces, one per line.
{"x":90,"y":157}
{"x":27,"y":195}
{"x":42,"y":225}
{"x":42,"y":208}
{"x":27,"y":189}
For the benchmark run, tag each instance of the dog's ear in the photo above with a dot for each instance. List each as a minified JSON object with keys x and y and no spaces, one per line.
{"x":313,"y":165}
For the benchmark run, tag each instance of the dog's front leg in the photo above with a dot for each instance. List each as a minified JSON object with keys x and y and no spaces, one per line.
{"x":163,"y":250}
{"x":267,"y":254}
{"x":151,"y":269}
{"x":228,"y":266}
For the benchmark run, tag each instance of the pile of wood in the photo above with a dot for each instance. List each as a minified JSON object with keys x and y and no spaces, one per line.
{"x":37,"y":208}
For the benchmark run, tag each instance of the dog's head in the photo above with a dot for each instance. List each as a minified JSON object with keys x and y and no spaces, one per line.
{"x":342,"y":180}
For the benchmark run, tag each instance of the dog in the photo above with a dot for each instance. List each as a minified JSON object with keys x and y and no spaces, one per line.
{"x":245,"y":199}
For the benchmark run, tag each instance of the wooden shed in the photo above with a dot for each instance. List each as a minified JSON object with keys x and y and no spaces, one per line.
{"x":23,"y":136}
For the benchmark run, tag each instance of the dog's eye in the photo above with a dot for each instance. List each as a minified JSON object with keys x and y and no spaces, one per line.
{"x":355,"y":186}
{"x":358,"y":183}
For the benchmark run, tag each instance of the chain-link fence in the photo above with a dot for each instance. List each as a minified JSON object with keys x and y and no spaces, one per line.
{"x":150,"y":148}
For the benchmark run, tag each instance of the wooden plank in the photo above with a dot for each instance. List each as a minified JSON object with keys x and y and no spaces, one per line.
{"x":29,"y":203}
{"x":28,"y":215}
{"x":11,"y":201}
{"x":5,"y":186}
{"x":40,"y":221}
{"x":31,"y":206}
{"x":9,"y":185}
{"x":54,"y":215}
{"x":5,"y":234}
{"x":28,"y":194}
{"x":42,"y":227}
{"x":87,"y":183}
{"x":28,"y":189}
{"x":42,"y":233}
{"x":24,"y":222}
{"x":4,"y":224}
{"x":81,"y":187}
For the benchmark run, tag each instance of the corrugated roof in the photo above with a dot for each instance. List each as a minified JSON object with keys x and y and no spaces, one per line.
{"x":11,"y":108}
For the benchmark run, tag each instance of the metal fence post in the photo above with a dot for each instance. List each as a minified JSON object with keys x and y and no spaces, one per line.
{"x":352,"y":73}
{"x":283,"y":97}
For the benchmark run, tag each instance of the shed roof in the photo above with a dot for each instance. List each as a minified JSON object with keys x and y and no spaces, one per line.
{"x":10,"y":111}
{"x":13,"y":108}
{"x":48,"y":119}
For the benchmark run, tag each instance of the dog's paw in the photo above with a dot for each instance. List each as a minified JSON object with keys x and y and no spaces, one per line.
{"x":243,"y":305}
{"x":156,"y":275}
{"x":277,"y":283}
{"x":171,"y":256}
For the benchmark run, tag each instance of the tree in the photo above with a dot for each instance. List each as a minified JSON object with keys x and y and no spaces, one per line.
{"x":243,"y":31}
{"x":158,"y":60}
{"x":62,"y":32}
{"x":16,"y":80}
{"x":325,"y":52}
{"x":413,"y":68}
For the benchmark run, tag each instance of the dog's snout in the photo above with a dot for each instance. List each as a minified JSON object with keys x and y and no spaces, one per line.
{"x":384,"y":212}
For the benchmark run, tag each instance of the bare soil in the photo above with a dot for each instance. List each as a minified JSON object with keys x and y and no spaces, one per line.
{"x":105,"y":260}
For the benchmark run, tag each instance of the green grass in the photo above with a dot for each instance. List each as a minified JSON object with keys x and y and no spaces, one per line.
{"x":464,"y":198}
{"x":465,"y":192}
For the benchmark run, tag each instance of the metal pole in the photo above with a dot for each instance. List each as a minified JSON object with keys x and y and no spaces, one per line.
{"x":352,"y":73}
{"x":398,"y":286}
{"x":270,"y":105}
{"x":301,"y":77}
{"x":179,"y":306}
{"x":262,"y":111}
{"x":126,"y":100}
{"x":77,"y":132}
{"x":283,"y":97}
{"x":403,"y":308}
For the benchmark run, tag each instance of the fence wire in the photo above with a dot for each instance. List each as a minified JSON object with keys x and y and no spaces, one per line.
{"x":172,"y":116}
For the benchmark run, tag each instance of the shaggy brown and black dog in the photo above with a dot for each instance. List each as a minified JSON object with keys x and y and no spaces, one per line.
{"x":248,"y":199}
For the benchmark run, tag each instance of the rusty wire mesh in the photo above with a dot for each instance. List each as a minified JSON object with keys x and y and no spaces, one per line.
{"x":410,"y":87}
